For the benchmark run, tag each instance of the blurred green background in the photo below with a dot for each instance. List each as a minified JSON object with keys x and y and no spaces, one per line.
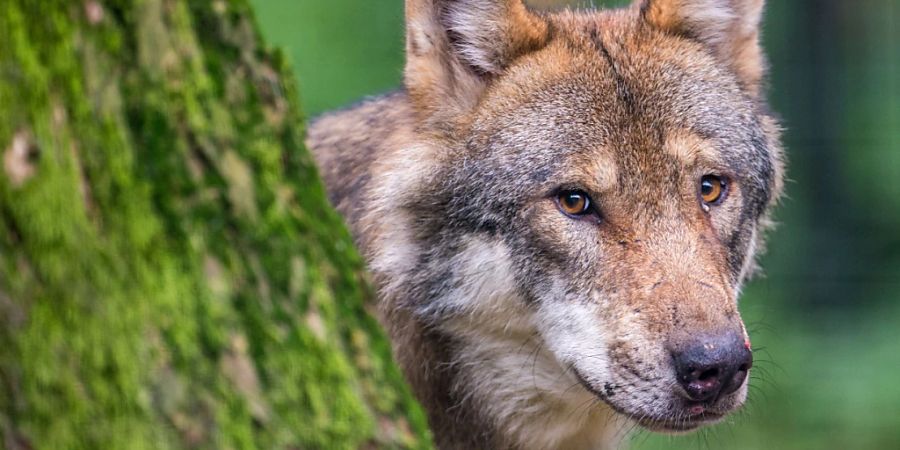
{"x":825,"y":317}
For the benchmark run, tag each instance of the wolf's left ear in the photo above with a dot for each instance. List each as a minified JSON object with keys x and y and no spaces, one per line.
{"x":455,"y":47}
{"x":729,"y":27}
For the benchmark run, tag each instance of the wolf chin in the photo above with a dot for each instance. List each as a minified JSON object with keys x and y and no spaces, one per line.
{"x":559,"y":210}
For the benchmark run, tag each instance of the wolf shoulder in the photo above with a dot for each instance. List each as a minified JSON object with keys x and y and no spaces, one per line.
{"x":348,"y":143}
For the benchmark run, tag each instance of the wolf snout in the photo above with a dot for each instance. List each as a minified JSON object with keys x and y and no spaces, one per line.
{"x":712,"y":367}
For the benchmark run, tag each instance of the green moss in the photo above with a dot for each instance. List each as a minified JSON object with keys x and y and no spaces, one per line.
{"x":171,"y":275}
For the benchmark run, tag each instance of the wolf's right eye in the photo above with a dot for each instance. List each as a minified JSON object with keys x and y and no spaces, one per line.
{"x":574,"y":203}
{"x":712,"y":189}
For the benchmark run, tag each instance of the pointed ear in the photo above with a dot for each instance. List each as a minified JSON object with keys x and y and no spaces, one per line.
{"x":454,"y":48}
{"x":729,"y":27}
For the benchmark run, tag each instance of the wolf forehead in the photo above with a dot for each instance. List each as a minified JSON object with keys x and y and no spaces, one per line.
{"x":611,"y":102}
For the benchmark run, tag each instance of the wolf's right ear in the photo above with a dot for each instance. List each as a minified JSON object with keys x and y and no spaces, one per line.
{"x":454,"y":48}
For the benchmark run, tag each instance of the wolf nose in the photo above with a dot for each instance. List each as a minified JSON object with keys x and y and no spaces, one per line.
{"x":712,"y":367}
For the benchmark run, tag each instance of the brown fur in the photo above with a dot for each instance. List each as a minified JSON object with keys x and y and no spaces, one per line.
{"x":506,"y":315}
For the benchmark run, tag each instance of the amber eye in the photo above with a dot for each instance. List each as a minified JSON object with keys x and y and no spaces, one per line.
{"x":711,"y":189}
{"x":574,"y":203}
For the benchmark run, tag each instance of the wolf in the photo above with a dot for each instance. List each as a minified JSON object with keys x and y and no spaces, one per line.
{"x":558,"y":211}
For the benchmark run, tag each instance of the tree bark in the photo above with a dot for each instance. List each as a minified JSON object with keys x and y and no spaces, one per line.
{"x":171,"y":275}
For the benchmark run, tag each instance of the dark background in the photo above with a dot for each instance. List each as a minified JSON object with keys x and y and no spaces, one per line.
{"x":825,"y":315}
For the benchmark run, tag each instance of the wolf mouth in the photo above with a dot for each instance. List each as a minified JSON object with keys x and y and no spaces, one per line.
{"x":676,"y":423}
{"x":679,"y":425}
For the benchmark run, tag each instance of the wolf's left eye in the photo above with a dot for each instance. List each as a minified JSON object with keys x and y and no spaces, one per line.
{"x":712,"y":189}
{"x":574,"y":203}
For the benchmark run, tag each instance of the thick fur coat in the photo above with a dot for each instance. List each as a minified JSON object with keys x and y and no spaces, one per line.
{"x":521,"y":318}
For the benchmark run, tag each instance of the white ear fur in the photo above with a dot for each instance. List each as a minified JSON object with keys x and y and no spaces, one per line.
{"x":476,"y":26}
{"x":729,"y":27}
{"x":454,"y":46}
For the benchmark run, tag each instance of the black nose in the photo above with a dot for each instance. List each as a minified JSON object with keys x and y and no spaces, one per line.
{"x":713,"y":366}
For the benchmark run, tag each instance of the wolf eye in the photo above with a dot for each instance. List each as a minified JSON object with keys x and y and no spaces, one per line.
{"x":574,"y":203}
{"x":712,"y":188}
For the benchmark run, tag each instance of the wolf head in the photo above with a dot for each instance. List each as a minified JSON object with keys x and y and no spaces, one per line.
{"x":597,"y":182}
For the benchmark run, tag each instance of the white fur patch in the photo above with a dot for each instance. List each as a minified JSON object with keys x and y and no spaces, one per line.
{"x":710,"y":19}
{"x":394,"y":251}
{"x":533,"y":401}
{"x":510,"y":368}
{"x":486,"y":298}
{"x":572,"y":330}
{"x":478,"y":25}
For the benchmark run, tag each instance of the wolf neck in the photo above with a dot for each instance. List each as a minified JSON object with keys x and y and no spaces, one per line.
{"x":486,"y":390}
{"x":501,"y":379}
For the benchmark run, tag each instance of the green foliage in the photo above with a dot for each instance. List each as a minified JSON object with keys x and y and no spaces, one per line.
{"x":171,"y":275}
{"x":342,"y":50}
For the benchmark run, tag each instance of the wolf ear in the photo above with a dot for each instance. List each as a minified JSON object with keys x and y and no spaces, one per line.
{"x":454,"y":47}
{"x":729,"y":27}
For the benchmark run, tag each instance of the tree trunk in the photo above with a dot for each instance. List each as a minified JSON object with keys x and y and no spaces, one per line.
{"x":171,"y":275}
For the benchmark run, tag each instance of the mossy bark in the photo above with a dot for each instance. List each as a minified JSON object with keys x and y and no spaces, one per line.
{"x":171,"y":275}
